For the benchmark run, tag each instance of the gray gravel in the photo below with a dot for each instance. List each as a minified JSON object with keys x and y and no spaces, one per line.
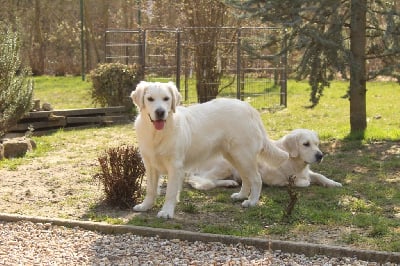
{"x":27,"y":243}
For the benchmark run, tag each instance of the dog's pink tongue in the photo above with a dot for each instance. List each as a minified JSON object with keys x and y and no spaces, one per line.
{"x":159,"y":124}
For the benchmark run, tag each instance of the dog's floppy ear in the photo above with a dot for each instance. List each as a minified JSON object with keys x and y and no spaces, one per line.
{"x":290,"y":142}
{"x":176,"y":96}
{"x":138,"y":94}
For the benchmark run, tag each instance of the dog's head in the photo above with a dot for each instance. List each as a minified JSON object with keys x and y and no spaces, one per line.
{"x":303,"y":144}
{"x":157,"y":100}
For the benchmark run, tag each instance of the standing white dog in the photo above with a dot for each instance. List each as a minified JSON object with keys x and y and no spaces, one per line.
{"x":303,"y":148}
{"x":173,"y":139}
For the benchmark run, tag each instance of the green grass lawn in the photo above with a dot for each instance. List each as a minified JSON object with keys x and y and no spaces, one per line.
{"x":331,"y":117}
{"x":63,"y":92}
{"x":364,"y":213}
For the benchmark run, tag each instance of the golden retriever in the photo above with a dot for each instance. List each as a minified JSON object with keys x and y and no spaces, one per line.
{"x":174,"y":139}
{"x":303,"y":148}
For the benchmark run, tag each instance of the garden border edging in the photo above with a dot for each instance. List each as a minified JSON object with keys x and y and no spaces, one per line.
{"x":307,"y":249}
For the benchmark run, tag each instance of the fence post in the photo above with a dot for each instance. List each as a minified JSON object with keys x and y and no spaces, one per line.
{"x":83,"y":71}
{"x":238,"y":65}
{"x":178,"y":59}
{"x":142,"y":51}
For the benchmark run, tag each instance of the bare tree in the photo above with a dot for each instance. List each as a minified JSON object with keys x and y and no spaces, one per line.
{"x":205,"y":19}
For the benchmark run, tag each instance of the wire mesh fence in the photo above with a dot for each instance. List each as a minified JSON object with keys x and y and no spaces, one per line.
{"x":206,"y":62}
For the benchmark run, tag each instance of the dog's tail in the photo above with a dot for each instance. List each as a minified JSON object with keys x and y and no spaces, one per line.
{"x":273,"y":155}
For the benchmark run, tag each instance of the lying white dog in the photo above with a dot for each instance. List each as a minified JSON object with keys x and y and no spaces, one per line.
{"x":302,"y":146}
{"x":174,"y":139}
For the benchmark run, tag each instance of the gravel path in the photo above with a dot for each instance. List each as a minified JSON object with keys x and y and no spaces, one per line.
{"x":27,"y":243}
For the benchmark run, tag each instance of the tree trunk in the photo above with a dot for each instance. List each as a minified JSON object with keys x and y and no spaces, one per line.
{"x":358,"y":90}
{"x":39,"y":49}
{"x":205,"y":17}
{"x":92,"y":53}
{"x":207,"y":75}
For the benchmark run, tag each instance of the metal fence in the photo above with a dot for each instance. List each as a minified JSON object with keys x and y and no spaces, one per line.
{"x":247,"y":70}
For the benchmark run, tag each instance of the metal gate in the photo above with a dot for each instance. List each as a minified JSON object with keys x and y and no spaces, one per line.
{"x":247,"y":69}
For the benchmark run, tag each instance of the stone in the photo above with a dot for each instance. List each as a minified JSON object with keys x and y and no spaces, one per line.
{"x":17,"y":147}
{"x":47,"y":107}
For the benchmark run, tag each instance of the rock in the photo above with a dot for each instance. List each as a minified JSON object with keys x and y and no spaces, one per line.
{"x":47,"y":107}
{"x":36,"y":105}
{"x":17,"y":147}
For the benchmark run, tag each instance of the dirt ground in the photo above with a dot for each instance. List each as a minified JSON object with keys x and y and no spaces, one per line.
{"x":60,"y":183}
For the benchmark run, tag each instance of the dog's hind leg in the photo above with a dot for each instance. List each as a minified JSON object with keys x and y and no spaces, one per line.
{"x":245,"y":189}
{"x":151,"y":191}
{"x":255,"y":182}
{"x":246,"y":165}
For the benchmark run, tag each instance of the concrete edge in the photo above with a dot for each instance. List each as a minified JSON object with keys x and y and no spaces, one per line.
{"x":307,"y":249}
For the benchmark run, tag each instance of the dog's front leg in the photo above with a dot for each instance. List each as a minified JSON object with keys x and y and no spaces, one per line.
{"x":151,"y":191}
{"x":174,"y":185}
{"x":323,"y":180}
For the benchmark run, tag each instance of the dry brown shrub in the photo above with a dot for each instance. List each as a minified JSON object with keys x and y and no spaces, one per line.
{"x":121,"y":174}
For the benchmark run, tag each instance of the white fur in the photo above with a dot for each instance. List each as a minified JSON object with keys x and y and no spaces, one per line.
{"x":302,"y":146}
{"x":188,"y":136}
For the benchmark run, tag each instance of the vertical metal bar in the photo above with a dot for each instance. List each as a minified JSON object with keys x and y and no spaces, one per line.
{"x":284,"y":75}
{"x":178,"y":59}
{"x":82,"y":41}
{"x":186,"y":76}
{"x":238,"y":65}
{"x":126,"y":34}
{"x":186,"y":66}
{"x":142,"y":51}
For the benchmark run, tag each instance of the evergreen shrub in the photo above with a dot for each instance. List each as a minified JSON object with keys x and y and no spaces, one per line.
{"x":16,"y":88}
{"x":113,"y":83}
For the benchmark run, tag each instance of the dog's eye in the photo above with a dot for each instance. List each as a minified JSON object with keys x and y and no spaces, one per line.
{"x":166,"y":99}
{"x":150,"y":99}
{"x":306,"y":144}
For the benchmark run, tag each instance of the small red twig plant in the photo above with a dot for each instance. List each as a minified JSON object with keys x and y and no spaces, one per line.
{"x":121,"y":173}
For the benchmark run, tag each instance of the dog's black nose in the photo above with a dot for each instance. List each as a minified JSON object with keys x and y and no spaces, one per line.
{"x":160,"y":113}
{"x":319,"y":156}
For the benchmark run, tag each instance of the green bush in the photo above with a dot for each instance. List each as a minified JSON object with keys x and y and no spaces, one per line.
{"x":113,"y":82}
{"x":122,"y":172}
{"x":16,"y":88}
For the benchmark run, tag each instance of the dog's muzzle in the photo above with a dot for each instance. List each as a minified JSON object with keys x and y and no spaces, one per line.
{"x":159,"y":122}
{"x":319,"y":156}
{"x":160,"y":114}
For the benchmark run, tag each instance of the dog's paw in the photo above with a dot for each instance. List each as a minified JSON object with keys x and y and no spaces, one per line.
{"x":334,"y":184}
{"x":226,"y":183}
{"x":165,"y":214}
{"x":230,"y":183}
{"x":141,"y":207}
{"x":238,"y":196}
{"x":302,"y":183}
{"x":248,"y":203}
